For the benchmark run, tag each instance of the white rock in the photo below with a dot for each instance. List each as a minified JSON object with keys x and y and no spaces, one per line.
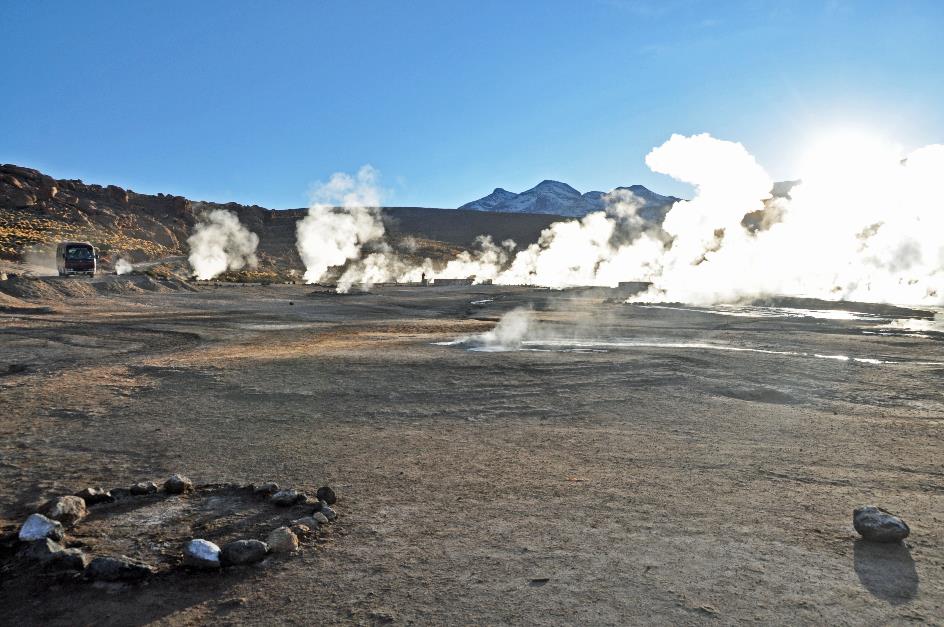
{"x":201,"y":553}
{"x":38,"y":527}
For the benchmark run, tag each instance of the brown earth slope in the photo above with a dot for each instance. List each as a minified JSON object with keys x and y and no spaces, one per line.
{"x":36,"y":211}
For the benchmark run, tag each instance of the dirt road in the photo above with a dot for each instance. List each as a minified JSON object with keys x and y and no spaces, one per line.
{"x":631,"y":465}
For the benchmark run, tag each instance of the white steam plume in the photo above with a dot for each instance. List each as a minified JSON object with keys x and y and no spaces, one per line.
{"x":123,"y":266}
{"x":513,"y":328}
{"x":602,"y":248}
{"x":866,"y":222}
{"x":344,"y":216}
{"x":219,"y":243}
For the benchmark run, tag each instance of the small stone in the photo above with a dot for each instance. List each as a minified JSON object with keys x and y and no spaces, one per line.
{"x":327,"y":495}
{"x":66,"y":509}
{"x":877,"y":525}
{"x":178,"y":484}
{"x":117,"y":569}
{"x":300,"y":530}
{"x":329,"y":513}
{"x":143,"y":487}
{"x":320,"y":518}
{"x":308,"y":521}
{"x":202,"y":554}
{"x":267,"y":488}
{"x":243,"y":552}
{"x":284,"y":498}
{"x":94,"y":496}
{"x":282,"y":540}
{"x":38,"y":527}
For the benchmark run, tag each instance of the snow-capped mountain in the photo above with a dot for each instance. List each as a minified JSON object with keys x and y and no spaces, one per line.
{"x":561,"y":199}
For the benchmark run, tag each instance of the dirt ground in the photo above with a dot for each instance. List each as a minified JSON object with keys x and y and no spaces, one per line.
{"x":635,"y":465}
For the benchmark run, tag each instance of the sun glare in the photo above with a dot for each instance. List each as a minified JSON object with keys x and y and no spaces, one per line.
{"x":846,"y":153}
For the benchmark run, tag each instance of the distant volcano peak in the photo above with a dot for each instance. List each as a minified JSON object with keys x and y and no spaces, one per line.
{"x":557,"y":198}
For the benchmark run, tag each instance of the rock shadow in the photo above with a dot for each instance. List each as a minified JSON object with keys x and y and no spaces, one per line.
{"x":886,"y":570}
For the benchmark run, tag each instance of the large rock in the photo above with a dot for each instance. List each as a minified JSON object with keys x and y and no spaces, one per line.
{"x":178,"y":484}
{"x":282,"y":540}
{"x":38,"y":527}
{"x":243,"y":552}
{"x":284,"y":498}
{"x":877,"y":525}
{"x":94,"y":496}
{"x":66,"y":509}
{"x":117,"y":569}
{"x":202,"y":554}
{"x":327,"y":494}
{"x":144,"y":487}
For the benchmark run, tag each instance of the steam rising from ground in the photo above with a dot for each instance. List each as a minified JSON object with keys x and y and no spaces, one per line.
{"x":344,"y":216}
{"x":866,"y":222}
{"x":220,"y":243}
{"x":344,"y":227}
{"x":513,"y":328}
{"x":123,"y":266}
{"x":510,"y":332}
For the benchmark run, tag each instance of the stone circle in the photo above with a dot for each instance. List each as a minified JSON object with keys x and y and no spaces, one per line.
{"x":92,"y":550}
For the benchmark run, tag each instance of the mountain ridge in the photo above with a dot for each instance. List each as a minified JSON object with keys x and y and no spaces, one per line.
{"x":558,"y":198}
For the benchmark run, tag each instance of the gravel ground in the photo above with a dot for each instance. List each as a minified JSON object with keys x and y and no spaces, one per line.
{"x":634,"y":465}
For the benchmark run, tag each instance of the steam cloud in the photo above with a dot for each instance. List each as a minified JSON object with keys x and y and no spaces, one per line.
{"x":123,"y":266}
{"x":865,"y":222}
{"x":344,"y":216}
{"x":344,"y":221}
{"x":220,"y":243}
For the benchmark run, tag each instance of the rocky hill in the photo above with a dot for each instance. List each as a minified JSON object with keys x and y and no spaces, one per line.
{"x":36,"y":211}
{"x":554,"y":197}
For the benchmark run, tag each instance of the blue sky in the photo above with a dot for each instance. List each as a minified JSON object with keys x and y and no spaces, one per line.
{"x":255,"y":101}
